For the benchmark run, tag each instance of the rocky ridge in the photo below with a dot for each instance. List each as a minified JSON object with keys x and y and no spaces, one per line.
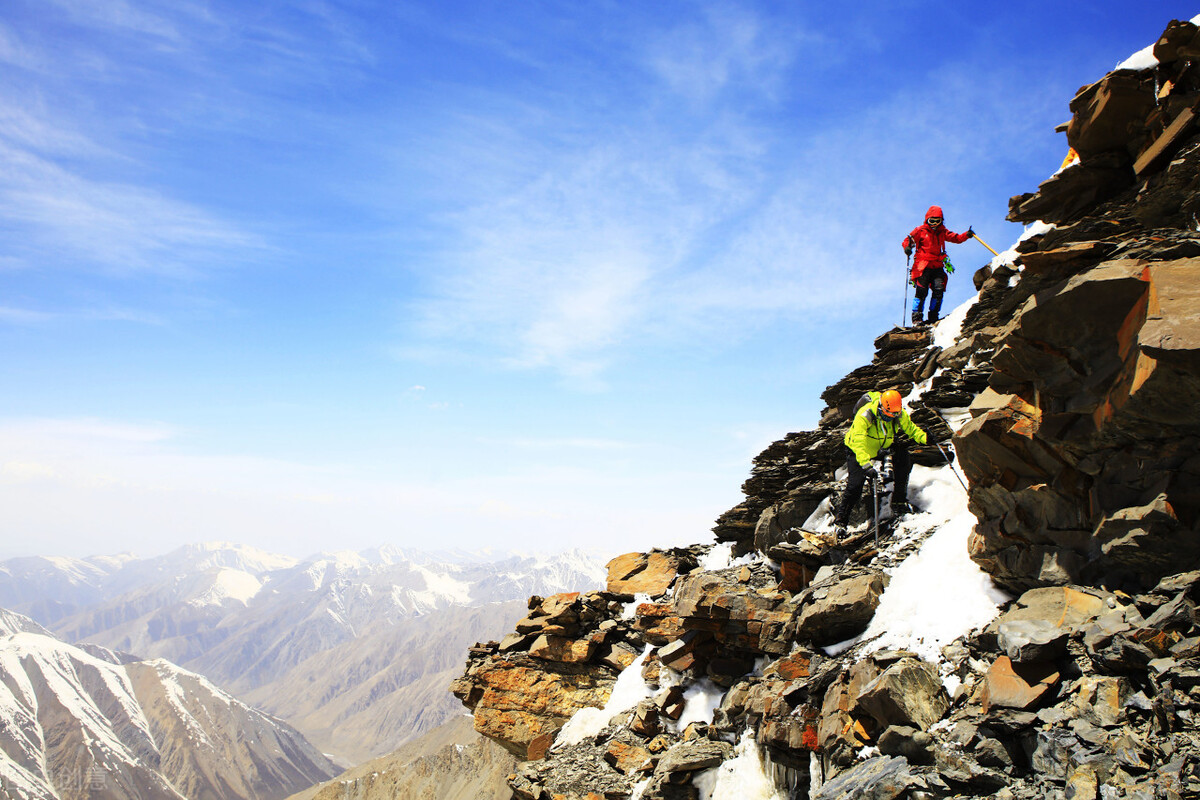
{"x":1068,"y":395}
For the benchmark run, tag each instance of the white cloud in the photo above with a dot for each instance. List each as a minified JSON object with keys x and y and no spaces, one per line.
{"x":25,"y":124}
{"x":118,"y":15}
{"x":14,"y":51}
{"x":724,"y":46}
{"x":120,"y":229}
{"x":24,"y":316}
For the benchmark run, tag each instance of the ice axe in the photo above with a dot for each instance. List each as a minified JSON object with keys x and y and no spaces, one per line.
{"x":949,"y":463}
{"x":985,"y":244}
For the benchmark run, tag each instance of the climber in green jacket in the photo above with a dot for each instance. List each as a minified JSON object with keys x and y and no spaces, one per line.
{"x":876,"y":423}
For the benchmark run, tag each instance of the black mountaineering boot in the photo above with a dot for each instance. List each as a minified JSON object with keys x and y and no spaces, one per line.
{"x":917,"y":320}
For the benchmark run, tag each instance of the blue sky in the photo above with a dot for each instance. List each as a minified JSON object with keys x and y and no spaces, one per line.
{"x":316,"y":275}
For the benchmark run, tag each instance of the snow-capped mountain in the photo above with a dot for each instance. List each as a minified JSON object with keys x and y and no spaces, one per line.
{"x":75,"y":723}
{"x":302,"y":638}
{"x":49,"y":588}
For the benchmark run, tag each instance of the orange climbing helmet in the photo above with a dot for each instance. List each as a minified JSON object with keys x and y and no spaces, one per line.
{"x":889,"y":403}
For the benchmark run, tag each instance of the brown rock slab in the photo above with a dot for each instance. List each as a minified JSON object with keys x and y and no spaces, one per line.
{"x":646,"y":721}
{"x":626,"y":758}
{"x":790,"y":668}
{"x":679,"y":655}
{"x":642,"y":573}
{"x":793,"y":577}
{"x":658,"y":623}
{"x":694,"y":756}
{"x":1008,"y":685}
{"x":1064,"y":607}
{"x":568,"y":651}
{"x":1100,"y":699}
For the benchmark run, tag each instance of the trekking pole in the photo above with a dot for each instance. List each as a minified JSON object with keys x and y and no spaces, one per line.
{"x":907,"y":269}
{"x":950,"y":464}
{"x":985,"y":244}
{"x":875,"y":501}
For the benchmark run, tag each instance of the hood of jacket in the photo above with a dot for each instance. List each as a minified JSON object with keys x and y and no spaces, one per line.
{"x":935,"y":211}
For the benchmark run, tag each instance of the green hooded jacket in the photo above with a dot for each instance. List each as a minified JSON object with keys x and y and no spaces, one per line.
{"x":871,"y":432}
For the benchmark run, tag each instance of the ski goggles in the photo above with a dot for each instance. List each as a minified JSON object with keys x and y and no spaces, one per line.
{"x":934,"y":220}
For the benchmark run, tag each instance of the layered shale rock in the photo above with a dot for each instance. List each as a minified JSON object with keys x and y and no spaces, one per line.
{"x":1069,"y":396}
{"x":1082,"y":453}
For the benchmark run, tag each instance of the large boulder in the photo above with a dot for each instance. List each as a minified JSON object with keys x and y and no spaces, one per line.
{"x":742,"y":610}
{"x":908,"y":693}
{"x":878,"y":778}
{"x":839,"y":610}
{"x":521,"y":702}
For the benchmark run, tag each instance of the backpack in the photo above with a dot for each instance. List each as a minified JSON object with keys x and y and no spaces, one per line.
{"x":862,"y":401}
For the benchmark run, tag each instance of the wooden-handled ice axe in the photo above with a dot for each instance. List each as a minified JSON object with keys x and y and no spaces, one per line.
{"x":982,"y":242}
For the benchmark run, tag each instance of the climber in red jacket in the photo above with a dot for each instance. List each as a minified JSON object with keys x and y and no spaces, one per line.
{"x":930,"y":265}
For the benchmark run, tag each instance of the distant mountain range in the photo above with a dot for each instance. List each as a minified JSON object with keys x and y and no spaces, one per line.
{"x":78,"y":722}
{"x":354,"y":649}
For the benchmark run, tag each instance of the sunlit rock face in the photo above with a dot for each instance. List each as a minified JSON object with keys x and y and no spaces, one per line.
{"x":1067,"y":390}
{"x":1082,"y":456}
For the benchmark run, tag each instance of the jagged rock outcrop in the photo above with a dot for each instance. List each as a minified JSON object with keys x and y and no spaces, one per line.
{"x":1082,"y":454}
{"x":1069,"y":398}
{"x":564,"y":656}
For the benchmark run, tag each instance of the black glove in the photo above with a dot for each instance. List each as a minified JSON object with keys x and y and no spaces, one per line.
{"x":870,"y":473}
{"x":908,"y":247}
{"x":970,"y":232}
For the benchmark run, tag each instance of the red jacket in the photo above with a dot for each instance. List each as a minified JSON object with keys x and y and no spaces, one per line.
{"x":931,"y":243}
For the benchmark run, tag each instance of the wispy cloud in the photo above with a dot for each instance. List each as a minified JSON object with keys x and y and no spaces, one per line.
{"x":23,"y":316}
{"x":15,"y":52}
{"x":118,"y":15}
{"x":119,"y":229}
{"x":81,"y":130}
{"x":583,"y":252}
{"x":724,"y":47}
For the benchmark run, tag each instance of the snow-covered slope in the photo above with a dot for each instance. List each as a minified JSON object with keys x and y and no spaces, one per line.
{"x":73,"y":725}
